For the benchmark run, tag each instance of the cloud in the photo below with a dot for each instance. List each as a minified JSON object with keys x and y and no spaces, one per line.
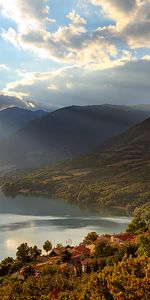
{"x":99,"y":60}
{"x":114,"y":6}
{"x":137,"y":32}
{"x":119,"y":10}
{"x":132,"y":19}
{"x":4,"y":67}
{"x":25,"y":13}
{"x":69,"y":44}
{"x":75,"y":18}
{"x":146,"y":57}
{"x":72,"y":43}
{"x":75,"y":42}
{"x":10,"y":101}
{"x":127,"y":83}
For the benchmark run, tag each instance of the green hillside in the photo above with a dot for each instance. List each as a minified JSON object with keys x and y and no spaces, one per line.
{"x":117,"y":175}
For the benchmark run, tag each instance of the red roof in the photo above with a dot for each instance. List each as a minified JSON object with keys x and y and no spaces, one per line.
{"x":75,"y":254}
{"x":124,"y":236}
{"x":87,"y":261}
{"x":82,"y":249}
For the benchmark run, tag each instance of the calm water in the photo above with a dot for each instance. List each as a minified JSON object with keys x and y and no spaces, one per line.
{"x":36,"y":219}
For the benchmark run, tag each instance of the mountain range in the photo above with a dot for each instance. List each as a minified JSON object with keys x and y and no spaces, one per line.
{"x":14,"y":118}
{"x":66,"y":133}
{"x":116,"y":174}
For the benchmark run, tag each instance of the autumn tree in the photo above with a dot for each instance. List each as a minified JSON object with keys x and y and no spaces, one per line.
{"x":129,"y":279}
{"x":143,"y":245}
{"x":91,"y":237}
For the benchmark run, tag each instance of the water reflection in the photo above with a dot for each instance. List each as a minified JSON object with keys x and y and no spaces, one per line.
{"x":39,"y":206}
{"x":36,"y":219}
{"x":64,"y":223}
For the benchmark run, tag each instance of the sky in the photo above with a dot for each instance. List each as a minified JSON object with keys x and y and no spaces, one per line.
{"x":56,"y":53}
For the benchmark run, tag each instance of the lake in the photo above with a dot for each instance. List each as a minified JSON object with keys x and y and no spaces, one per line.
{"x":36,"y":219}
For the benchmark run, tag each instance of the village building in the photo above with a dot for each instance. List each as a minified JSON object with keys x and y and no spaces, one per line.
{"x":91,"y":247}
{"x":87,"y":264}
{"x":104,"y":238}
{"x":121,"y":238}
{"x":43,"y":258}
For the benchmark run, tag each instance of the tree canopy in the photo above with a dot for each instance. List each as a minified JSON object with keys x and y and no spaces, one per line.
{"x":47,"y":246}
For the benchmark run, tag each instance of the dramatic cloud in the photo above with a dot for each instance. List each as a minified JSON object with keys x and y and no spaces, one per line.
{"x":132,"y":20}
{"x":26,"y":14}
{"x":137,"y":32}
{"x":119,"y":10}
{"x":127,"y":84}
{"x":94,"y":51}
{"x":72,"y":43}
{"x":9,"y":101}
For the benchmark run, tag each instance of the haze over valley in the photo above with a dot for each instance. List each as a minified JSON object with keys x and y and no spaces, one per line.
{"x":61,"y":134}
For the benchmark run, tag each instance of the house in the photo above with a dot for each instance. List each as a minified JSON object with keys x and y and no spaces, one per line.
{"x":50,"y":261}
{"x":75,"y":257}
{"x":74,"y":268}
{"x":104,"y":238}
{"x":87,"y":264}
{"x":43,"y":258}
{"x":57,"y":251}
{"x":121,"y":238}
{"x":83,"y":250}
{"x":78,"y":253}
{"x":91,"y":247}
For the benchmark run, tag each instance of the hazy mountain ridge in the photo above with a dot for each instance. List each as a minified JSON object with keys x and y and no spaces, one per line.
{"x":13,"y":118}
{"x":65,"y":133}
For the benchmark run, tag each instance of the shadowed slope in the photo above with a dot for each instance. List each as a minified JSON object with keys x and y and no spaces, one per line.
{"x":65,"y":133}
{"x":11,"y":119}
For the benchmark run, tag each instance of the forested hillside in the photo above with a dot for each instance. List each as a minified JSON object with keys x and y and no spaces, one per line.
{"x":116,"y":175}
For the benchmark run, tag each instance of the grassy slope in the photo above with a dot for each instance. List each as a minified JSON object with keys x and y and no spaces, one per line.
{"x":117,"y":175}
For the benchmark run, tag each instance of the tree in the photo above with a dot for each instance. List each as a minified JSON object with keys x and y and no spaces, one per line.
{"x":66,"y":255}
{"x":103,"y":249}
{"x":129,"y":279}
{"x":47,"y":246}
{"x":143,"y":213}
{"x":141,"y":219}
{"x":136,"y":226}
{"x":23,"y":253}
{"x":34,"y":253}
{"x":59,"y":246}
{"x":91,"y":237}
{"x":26,"y":254}
{"x":143,"y":245}
{"x":5,"y":266}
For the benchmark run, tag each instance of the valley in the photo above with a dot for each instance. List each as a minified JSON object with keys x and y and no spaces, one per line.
{"x":65,"y":133}
{"x":116,"y":174}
